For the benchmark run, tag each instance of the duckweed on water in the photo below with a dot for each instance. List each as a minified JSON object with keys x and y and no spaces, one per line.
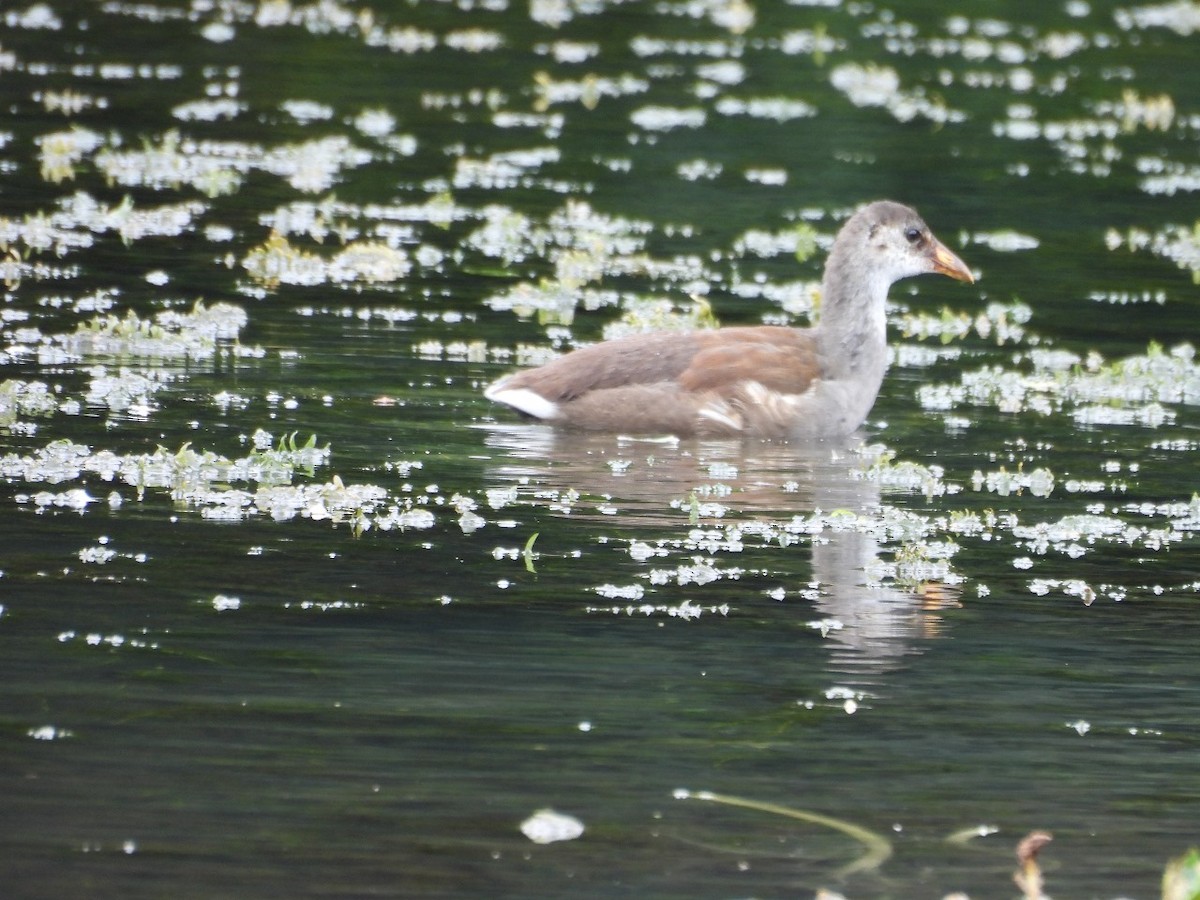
{"x":877,"y":85}
{"x":1002,"y":323}
{"x":1125,"y":392}
{"x":170,"y":335}
{"x":660,"y":314}
{"x":277,"y":262}
{"x":1179,"y":244}
{"x":79,"y":217}
{"x":25,"y":399}
{"x":217,"y":168}
{"x":479,"y":214}
{"x":1007,"y":241}
{"x":585,"y":247}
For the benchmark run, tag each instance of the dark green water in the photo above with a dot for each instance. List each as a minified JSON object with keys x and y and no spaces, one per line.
{"x":388,"y":699}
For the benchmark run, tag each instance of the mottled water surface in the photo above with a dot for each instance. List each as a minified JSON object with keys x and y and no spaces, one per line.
{"x":288,"y":609}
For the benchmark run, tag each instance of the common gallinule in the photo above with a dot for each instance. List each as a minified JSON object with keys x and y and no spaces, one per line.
{"x":760,"y":381}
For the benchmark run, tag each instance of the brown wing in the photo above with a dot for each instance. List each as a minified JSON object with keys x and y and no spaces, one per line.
{"x":637,"y":359}
{"x":783,"y":360}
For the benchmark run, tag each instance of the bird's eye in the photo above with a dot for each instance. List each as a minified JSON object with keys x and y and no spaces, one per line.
{"x":913,"y":235}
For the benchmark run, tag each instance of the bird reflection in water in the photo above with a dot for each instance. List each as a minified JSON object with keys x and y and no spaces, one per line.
{"x":769,"y":489}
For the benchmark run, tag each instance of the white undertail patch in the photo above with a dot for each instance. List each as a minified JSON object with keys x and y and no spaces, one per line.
{"x":522,"y":399}
{"x":720,"y":411}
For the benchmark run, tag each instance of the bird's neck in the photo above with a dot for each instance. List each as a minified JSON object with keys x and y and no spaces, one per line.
{"x":851,"y":331}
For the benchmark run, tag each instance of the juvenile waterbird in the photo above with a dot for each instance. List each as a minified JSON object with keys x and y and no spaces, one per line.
{"x":758,"y":381}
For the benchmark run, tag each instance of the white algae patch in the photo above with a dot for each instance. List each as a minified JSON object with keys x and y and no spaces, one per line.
{"x":224,"y":603}
{"x":778,"y":109}
{"x":200,"y":479}
{"x":1177,"y":243}
{"x":547,"y":826}
{"x":49,"y":733}
{"x":170,"y":335}
{"x":1007,"y":241}
{"x":1182,"y":17}
{"x":876,"y":85}
{"x":277,"y":261}
{"x":217,"y":168}
{"x":663,"y":118}
{"x":1131,"y":391}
